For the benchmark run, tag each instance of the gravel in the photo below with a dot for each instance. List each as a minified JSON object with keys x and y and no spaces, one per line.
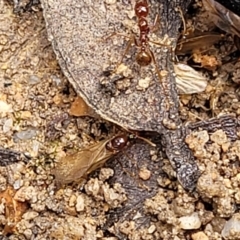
{"x":34,"y":97}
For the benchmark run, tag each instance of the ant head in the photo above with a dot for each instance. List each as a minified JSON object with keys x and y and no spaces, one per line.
{"x":117,"y":143}
{"x":143,"y":58}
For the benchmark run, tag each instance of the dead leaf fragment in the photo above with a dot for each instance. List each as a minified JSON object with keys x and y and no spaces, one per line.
{"x":79,"y":108}
{"x":13,"y":210}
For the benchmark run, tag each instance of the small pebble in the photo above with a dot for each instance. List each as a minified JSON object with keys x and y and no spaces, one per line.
{"x":56,"y":80}
{"x":144,"y":173}
{"x":92,"y":187}
{"x":110,"y":2}
{"x":17,"y":184}
{"x":231,"y":229}
{"x":80,"y":203}
{"x":143,"y":83}
{"x":199,"y":236}
{"x":105,"y":173}
{"x":4,"y":107}
{"x":112,"y":196}
{"x":72,"y":200}
{"x":219,"y":137}
{"x":30,"y":215}
{"x":26,"y":134}
{"x":28,"y":233}
{"x":190,"y":222}
{"x":73,"y":226}
{"x":217,"y":224}
{"x":151,"y":229}
{"x":7,"y":126}
{"x":25,"y":114}
{"x":2,"y":207}
{"x":33,"y":79}
{"x":25,"y":193}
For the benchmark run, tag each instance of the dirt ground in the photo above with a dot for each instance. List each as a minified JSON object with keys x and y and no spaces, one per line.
{"x":38,"y":119}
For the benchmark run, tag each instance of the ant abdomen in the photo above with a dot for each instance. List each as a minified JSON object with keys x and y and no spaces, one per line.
{"x":143,"y":58}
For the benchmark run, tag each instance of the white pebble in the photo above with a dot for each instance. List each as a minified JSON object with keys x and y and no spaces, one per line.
{"x":7,"y":126}
{"x":190,"y":222}
{"x":110,"y":2}
{"x":231,"y":229}
{"x":4,"y":107}
{"x":80,"y":203}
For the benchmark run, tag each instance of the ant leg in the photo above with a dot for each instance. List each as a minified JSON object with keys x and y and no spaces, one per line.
{"x":158,"y":72}
{"x":153,"y":28}
{"x":156,"y":24}
{"x":184,"y":34}
{"x":156,"y":66}
{"x":130,"y":41}
{"x":168,"y":46}
{"x":115,"y":34}
{"x":124,"y":169}
{"x":133,"y":175}
{"x":183,"y":20}
{"x":161,"y":80}
{"x":160,"y":44}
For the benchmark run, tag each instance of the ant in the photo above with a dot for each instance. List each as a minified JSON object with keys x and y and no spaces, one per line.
{"x":145,"y":55}
{"x":76,"y":166}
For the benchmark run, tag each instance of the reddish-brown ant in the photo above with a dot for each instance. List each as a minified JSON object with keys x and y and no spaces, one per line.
{"x":145,"y":55}
{"x":74,"y":167}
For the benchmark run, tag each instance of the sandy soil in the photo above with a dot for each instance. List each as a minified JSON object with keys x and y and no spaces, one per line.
{"x":35,"y":103}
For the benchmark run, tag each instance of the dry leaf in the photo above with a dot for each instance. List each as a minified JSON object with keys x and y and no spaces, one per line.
{"x":79,"y":108}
